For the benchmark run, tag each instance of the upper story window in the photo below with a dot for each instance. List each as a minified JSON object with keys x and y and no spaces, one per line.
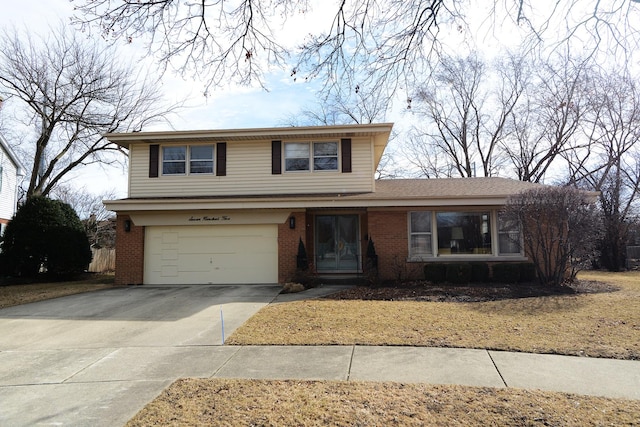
{"x":325,"y":156}
{"x":174,"y":160}
{"x":296,"y":156}
{"x":201,"y":159}
{"x":187,"y":159}
{"x":302,"y":156}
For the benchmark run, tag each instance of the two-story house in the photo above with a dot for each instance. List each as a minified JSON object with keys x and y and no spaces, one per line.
{"x":10,"y":171}
{"x":230,"y":206}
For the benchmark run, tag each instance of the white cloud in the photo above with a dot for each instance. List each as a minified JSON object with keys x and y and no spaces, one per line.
{"x":232,"y":107}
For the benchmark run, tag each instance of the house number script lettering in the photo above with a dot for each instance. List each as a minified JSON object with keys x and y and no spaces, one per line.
{"x":210,"y":218}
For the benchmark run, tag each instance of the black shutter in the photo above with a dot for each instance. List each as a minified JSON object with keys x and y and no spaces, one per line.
{"x":221,"y":159}
{"x":154,"y":160}
{"x":346,"y":155}
{"x":276,"y":157}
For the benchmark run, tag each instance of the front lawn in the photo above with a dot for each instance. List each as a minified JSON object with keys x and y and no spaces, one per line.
{"x":597,"y":325}
{"x":16,"y":294}
{"x":222,"y":402}
{"x":603,"y":324}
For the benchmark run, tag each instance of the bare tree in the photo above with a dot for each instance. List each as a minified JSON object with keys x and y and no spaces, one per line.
{"x":381,"y":43}
{"x":85,"y":203}
{"x":548,"y":121}
{"x":343,"y":107}
{"x":560,"y":228}
{"x":466,"y":109}
{"x":425,"y":159}
{"x":609,"y":163}
{"x":359,"y":107}
{"x":69,"y":92}
{"x":98,"y":222}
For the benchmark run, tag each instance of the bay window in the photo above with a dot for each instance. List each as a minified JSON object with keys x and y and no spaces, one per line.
{"x":467,"y":233}
{"x":420,"y":235}
{"x":508,"y":236}
{"x":464,"y":232}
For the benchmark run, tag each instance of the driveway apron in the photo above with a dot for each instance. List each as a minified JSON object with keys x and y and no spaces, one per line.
{"x":97,"y":358}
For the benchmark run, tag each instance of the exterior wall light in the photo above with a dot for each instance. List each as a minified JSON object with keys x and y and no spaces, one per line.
{"x":127,"y":225}
{"x":292,"y":222}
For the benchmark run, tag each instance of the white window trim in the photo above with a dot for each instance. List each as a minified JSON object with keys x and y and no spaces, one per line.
{"x":497,"y":232}
{"x":410,"y":233}
{"x":187,"y":160}
{"x":311,"y":157}
{"x":436,"y":257}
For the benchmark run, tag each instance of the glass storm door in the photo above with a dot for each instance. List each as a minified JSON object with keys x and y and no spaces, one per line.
{"x":337,"y":246}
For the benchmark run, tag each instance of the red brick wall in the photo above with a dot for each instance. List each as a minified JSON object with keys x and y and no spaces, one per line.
{"x":129,"y":253}
{"x":389,"y":231}
{"x":288,"y":246}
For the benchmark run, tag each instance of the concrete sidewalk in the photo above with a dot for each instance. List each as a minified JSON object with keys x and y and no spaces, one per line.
{"x":107,"y":386}
{"x":96,"y":359}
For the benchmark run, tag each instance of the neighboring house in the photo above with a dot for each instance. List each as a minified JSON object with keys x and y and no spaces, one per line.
{"x":10,"y":170}
{"x":230,"y":206}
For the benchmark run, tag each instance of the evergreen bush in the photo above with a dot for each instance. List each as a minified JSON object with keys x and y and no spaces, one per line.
{"x":506,"y":272}
{"x":458,"y":273}
{"x":44,"y":235}
{"x":479,"y":272}
{"x":435,"y":272}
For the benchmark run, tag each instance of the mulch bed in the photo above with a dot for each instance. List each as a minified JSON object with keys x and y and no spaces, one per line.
{"x":425,"y":291}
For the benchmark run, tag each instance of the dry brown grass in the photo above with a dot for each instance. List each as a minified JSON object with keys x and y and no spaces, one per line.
{"x":596,"y":325}
{"x":11,"y":295}
{"x":221,"y":402}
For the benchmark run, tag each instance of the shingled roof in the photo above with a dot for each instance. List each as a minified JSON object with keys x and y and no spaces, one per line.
{"x":451,"y":188}
{"x":389,"y":193}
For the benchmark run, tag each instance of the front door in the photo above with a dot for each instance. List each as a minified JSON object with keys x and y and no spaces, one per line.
{"x":337,"y":246}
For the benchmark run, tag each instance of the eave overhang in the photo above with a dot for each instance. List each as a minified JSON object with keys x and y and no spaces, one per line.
{"x":378,"y":132}
{"x":296,"y":203}
{"x":20,"y":170}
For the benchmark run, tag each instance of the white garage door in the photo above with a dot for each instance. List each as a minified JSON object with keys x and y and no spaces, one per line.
{"x":221,"y":254}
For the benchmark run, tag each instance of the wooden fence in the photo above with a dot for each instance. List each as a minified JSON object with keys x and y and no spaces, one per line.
{"x":633,"y":257}
{"x":104,"y":260}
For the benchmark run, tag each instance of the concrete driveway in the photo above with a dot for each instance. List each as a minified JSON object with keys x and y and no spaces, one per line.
{"x":97,"y":358}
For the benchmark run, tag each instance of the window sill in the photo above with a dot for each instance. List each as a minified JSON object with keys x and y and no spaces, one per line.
{"x":470,"y":258}
{"x":313,"y":171}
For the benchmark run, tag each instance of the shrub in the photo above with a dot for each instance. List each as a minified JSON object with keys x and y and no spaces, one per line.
{"x":458,"y":274}
{"x":560,"y":228}
{"x":435,"y":272}
{"x":68,"y":251}
{"x":47,"y":234}
{"x":479,"y":272}
{"x":302,"y":261}
{"x":506,"y":272}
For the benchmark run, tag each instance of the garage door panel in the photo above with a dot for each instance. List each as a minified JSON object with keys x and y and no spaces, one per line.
{"x":169,"y":271}
{"x":211,"y":254}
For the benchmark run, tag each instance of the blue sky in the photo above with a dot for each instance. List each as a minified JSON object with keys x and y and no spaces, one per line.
{"x":224,"y":108}
{"x":232,"y":107}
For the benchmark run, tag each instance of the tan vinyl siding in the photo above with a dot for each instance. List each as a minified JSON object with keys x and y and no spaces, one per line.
{"x":7,"y":187}
{"x":249,"y":173}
